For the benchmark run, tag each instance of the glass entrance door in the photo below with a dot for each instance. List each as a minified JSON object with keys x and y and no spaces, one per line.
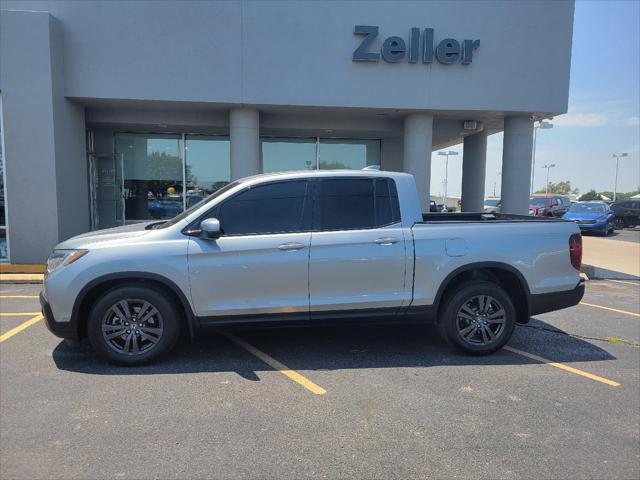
{"x":106,"y":189}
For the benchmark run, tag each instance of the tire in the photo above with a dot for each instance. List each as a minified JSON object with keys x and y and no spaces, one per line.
{"x":133,"y":340}
{"x":458,"y":327}
{"x":618,"y":223}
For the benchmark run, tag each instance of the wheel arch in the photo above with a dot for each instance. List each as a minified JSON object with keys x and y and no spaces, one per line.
{"x":90,"y":293}
{"x":507,"y":277}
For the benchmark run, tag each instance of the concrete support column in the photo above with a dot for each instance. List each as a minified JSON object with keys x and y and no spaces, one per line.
{"x":244,"y":133}
{"x":474,"y":163}
{"x":418,"y":134}
{"x":44,"y":139}
{"x":516,"y":164}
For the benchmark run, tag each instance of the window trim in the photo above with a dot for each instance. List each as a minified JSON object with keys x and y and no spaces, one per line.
{"x":317,"y":204}
{"x":193,"y":229}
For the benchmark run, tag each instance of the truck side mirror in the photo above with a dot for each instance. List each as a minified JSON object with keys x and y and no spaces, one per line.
{"x":210,"y":228}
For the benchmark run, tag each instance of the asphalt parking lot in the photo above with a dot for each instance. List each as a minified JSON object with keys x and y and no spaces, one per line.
{"x":380,"y":402}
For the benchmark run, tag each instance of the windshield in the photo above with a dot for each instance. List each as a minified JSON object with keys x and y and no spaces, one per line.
{"x":539,"y":201}
{"x":587,"y":208}
{"x":193,"y":208}
{"x":491,"y":202}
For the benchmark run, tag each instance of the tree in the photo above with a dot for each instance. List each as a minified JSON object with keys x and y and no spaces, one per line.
{"x":590,"y":195}
{"x":560,"y":188}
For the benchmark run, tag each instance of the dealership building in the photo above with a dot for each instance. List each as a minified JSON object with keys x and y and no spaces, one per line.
{"x":119,"y":112}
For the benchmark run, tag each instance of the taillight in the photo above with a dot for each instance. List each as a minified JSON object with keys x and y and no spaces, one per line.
{"x":575,"y":250}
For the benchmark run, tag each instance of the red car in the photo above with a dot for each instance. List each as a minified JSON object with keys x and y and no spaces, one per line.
{"x":549,"y":205}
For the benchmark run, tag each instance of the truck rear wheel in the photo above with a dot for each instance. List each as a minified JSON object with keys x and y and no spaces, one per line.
{"x":133,"y":325}
{"x":478,"y":318}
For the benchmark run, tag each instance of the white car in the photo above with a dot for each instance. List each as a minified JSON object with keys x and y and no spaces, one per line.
{"x":304,"y":248}
{"x":492,"y":205}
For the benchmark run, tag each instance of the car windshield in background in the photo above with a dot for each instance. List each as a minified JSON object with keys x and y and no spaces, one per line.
{"x":587,"y":208}
{"x":491,"y":202}
{"x":538,"y":201}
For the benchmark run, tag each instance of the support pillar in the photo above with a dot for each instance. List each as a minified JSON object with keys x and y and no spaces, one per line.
{"x":516,"y":164}
{"x":244,"y":134}
{"x":474,"y":163}
{"x":418,"y":134}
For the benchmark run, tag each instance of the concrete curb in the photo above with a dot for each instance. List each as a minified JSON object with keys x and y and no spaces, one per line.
{"x":31,"y":278}
{"x":598,"y":273}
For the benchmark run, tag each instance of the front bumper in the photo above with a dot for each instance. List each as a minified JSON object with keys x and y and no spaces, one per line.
{"x":593,"y":227}
{"x":549,"y":302}
{"x":59,"y":329}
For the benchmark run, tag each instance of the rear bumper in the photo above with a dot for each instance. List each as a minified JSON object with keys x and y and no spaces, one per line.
{"x":549,"y":302}
{"x":59,"y":329}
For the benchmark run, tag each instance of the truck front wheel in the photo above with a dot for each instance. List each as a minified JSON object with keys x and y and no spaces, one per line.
{"x":132,"y":325}
{"x":478,"y":318}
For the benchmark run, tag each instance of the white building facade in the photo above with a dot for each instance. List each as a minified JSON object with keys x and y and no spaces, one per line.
{"x":117,"y":112}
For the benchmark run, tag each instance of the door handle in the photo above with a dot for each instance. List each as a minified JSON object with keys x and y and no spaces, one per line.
{"x":386,"y":240}
{"x":291,"y":246}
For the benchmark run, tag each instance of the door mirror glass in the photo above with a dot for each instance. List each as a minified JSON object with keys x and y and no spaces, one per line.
{"x":211,"y":228}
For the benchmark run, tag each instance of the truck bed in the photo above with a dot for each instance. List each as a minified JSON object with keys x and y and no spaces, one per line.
{"x":483,"y":217}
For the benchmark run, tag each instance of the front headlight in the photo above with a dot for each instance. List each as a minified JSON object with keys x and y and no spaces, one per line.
{"x":60,"y":258}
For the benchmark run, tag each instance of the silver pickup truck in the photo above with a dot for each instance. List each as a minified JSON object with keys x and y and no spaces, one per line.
{"x":308,"y":247}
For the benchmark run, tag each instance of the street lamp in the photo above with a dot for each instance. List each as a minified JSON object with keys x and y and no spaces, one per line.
{"x":544,"y":126}
{"x":548,"y":167}
{"x":617,"y":156}
{"x":446,"y":172}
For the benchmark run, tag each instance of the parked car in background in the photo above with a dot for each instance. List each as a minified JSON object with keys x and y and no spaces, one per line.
{"x":627,"y":213}
{"x":165,"y":208}
{"x":593,"y":216}
{"x":492,"y":205}
{"x":549,"y":205}
{"x":296,"y":248}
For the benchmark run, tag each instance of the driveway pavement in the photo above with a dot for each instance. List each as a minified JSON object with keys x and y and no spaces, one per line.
{"x":563,"y":401}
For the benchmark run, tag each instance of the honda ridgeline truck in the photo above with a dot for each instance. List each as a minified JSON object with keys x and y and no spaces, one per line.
{"x":308,"y":247}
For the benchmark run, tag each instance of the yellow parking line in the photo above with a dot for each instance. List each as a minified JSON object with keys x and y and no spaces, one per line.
{"x":283,"y":369}
{"x":562,"y":366}
{"x":18,"y":314}
{"x":18,"y":296}
{"x":19,"y":328}
{"x":611,"y":309}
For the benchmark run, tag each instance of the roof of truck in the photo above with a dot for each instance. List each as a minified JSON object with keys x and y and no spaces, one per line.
{"x":322,"y":173}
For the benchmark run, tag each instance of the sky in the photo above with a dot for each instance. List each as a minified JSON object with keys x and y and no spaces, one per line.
{"x":603,"y":116}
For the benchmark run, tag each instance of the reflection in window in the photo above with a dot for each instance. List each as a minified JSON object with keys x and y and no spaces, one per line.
{"x":285,"y":154}
{"x":349,"y":154}
{"x":152,"y":175}
{"x":208,"y":166}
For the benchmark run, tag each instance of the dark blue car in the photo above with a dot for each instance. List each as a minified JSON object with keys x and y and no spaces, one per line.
{"x":592,"y":217}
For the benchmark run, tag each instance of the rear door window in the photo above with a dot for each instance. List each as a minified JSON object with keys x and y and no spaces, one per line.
{"x":356,"y":203}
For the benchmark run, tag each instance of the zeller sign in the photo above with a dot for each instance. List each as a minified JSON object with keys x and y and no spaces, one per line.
{"x":394,"y":49}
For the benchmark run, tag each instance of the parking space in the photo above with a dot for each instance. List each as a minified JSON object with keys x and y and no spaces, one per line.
{"x":380,"y":402}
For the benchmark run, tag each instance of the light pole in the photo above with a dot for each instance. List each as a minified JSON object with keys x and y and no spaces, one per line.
{"x":617,"y":156}
{"x":548,"y":167}
{"x":446,"y":172}
{"x":544,"y":126}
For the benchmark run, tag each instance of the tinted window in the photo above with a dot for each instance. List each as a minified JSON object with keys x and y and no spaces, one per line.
{"x":350,"y":204}
{"x":271,"y":208}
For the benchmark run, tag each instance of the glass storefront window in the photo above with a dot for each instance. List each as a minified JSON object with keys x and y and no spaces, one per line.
{"x":285,"y":154}
{"x":153,"y":174}
{"x":208,"y":166}
{"x":4,"y":249}
{"x":350,"y":154}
